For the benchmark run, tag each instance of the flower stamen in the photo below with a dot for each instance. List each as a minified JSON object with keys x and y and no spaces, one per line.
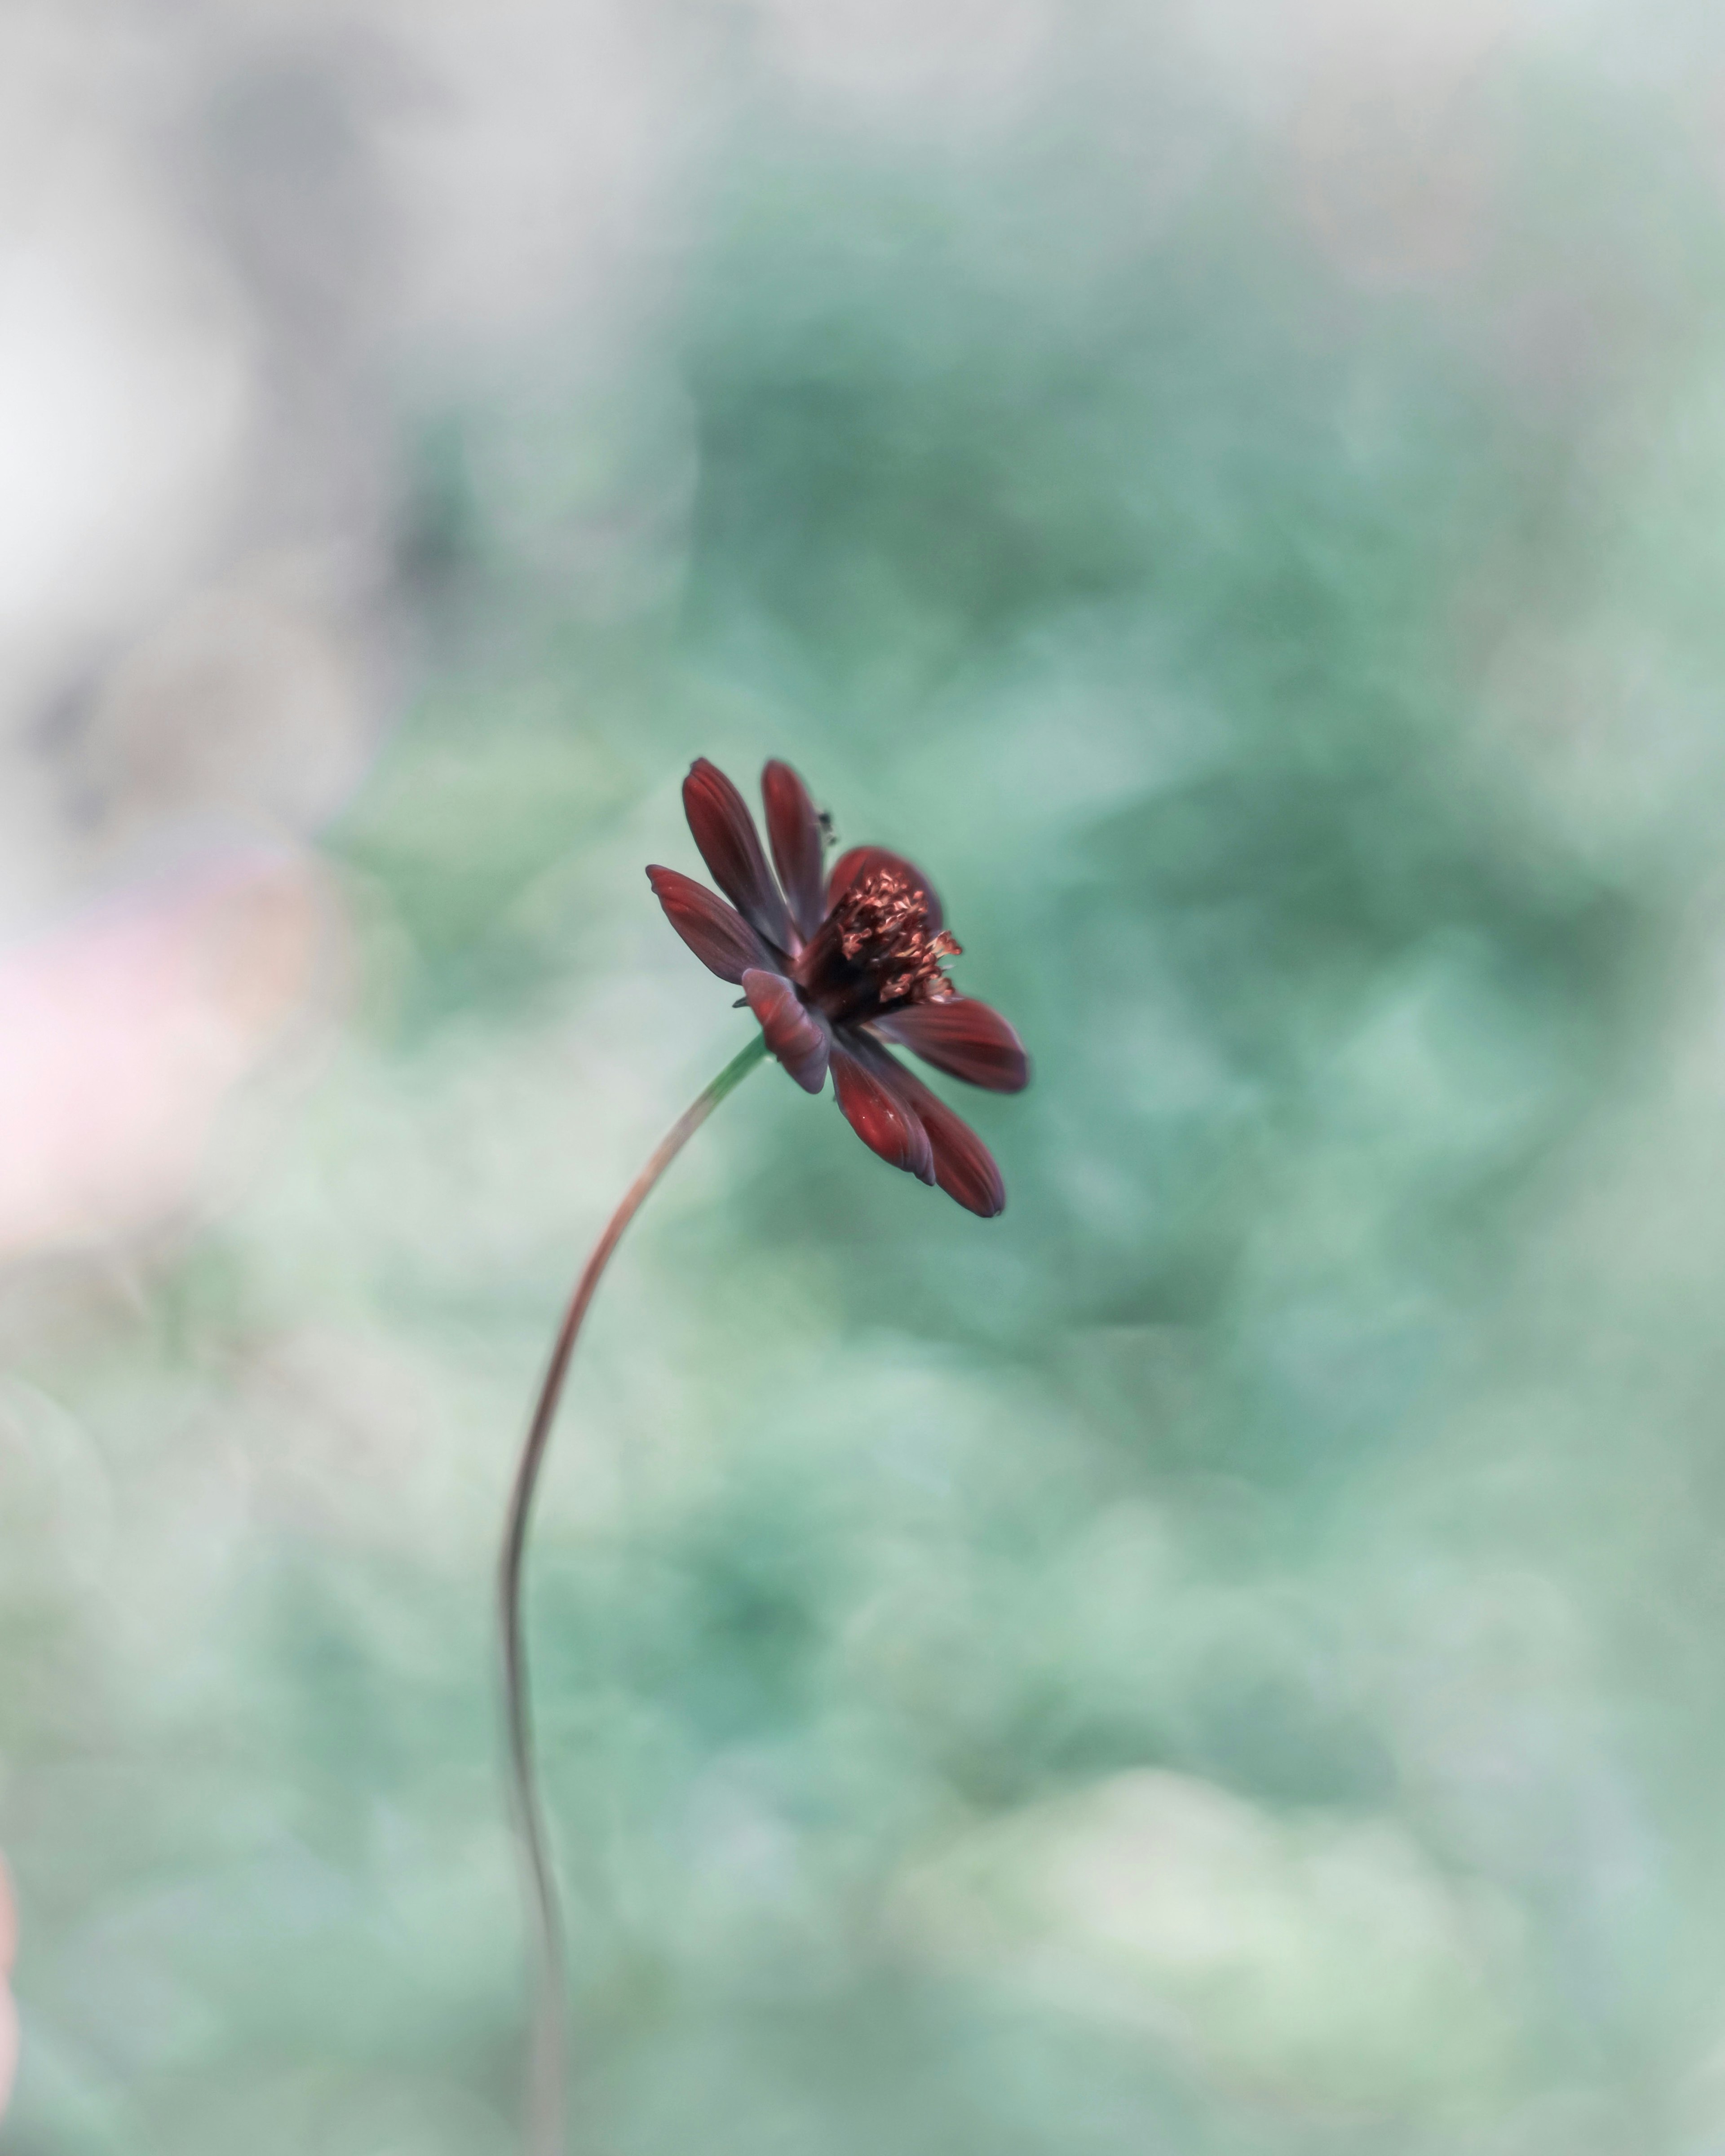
{"x":877,"y":949}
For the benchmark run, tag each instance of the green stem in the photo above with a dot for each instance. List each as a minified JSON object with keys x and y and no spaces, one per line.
{"x":547,"y":2098}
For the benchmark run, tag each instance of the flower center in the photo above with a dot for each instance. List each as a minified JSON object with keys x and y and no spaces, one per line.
{"x":876,"y":949}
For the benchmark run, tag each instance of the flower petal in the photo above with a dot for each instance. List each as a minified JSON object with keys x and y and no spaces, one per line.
{"x":957,"y":1035}
{"x":730,"y":846}
{"x":794,"y":830}
{"x":878,"y":1110}
{"x":849,"y":866}
{"x":720,"y":937}
{"x":798,"y":1036}
{"x":963,"y":1167}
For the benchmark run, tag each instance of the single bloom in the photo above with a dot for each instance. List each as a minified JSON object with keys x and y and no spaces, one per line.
{"x":835,"y":965}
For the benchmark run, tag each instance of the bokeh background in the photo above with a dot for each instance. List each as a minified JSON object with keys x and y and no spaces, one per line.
{"x":1225,"y":1659}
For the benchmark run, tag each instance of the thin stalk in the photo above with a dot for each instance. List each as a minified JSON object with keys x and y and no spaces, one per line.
{"x":548,"y":2084}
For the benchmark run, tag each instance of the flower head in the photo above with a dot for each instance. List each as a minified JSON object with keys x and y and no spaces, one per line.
{"x":834,"y":966}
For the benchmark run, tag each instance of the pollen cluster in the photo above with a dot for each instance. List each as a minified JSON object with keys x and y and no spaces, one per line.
{"x":882,"y":923}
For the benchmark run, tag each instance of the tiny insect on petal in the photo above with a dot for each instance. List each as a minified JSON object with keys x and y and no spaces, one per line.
{"x":793,"y":829}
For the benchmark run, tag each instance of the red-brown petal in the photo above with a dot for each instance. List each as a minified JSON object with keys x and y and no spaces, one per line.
{"x":963,"y":1166}
{"x":793,"y":830}
{"x":801,"y":1040}
{"x":719,"y":937}
{"x":730,"y":846}
{"x":849,"y":866}
{"x":878,"y":1110}
{"x":968,"y":1039}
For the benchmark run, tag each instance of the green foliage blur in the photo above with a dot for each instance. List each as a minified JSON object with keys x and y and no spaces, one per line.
{"x":1222,"y":1658}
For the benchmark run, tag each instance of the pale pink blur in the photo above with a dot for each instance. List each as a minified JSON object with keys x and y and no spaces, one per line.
{"x":128,"y":1029}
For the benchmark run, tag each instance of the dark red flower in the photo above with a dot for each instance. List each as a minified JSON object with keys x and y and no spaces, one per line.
{"x":835,"y":967}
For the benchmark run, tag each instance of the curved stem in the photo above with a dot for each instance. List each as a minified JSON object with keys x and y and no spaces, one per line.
{"x":547,"y":2087}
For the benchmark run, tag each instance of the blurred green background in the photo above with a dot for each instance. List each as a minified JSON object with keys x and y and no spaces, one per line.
{"x":1222,"y":1658}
